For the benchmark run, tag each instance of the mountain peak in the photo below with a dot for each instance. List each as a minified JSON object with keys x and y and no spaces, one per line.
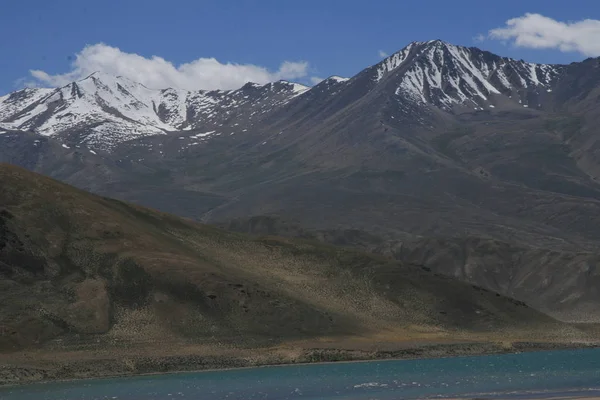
{"x":251,"y":85}
{"x":100,"y":75}
{"x":436,"y":42}
{"x":104,"y":79}
{"x":93,"y":74}
{"x":445,"y":75}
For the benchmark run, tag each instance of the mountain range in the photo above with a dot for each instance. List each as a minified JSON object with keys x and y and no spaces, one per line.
{"x":479,"y":166}
{"x":101,"y":111}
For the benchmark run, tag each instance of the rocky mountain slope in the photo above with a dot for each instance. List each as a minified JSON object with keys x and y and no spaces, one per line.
{"x":435,"y":141}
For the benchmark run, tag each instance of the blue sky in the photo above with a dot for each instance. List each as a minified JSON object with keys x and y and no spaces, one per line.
{"x":332,"y":37}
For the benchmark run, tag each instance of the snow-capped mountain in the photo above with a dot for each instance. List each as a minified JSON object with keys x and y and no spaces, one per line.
{"x":446,"y":75}
{"x":422,"y":82}
{"x":102,"y":110}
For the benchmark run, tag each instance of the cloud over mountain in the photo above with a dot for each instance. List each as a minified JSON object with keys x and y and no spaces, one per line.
{"x":156,"y":72}
{"x":540,"y":32}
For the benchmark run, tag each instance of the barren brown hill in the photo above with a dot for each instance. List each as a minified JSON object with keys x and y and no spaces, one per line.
{"x":88,"y":274}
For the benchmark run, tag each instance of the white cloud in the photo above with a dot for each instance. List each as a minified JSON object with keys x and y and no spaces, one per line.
{"x":315,"y":80}
{"x":383,"y":54}
{"x":24,"y":82}
{"x":540,"y":32}
{"x":158,"y":73}
{"x":479,"y":38}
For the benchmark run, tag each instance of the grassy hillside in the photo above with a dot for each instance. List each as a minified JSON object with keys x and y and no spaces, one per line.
{"x":563,"y":284}
{"x":78,"y":271}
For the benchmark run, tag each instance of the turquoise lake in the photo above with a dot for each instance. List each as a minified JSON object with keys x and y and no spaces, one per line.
{"x":526,"y":375}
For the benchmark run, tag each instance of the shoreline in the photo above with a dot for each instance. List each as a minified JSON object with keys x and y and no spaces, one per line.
{"x":195,"y":363}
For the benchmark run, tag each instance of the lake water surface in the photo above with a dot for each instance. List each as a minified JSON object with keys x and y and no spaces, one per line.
{"x":527,"y":375}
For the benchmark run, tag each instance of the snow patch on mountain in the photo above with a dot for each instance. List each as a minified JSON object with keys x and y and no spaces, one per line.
{"x":338,"y":79}
{"x":14,"y":103}
{"x":296,"y":88}
{"x":200,"y":135}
